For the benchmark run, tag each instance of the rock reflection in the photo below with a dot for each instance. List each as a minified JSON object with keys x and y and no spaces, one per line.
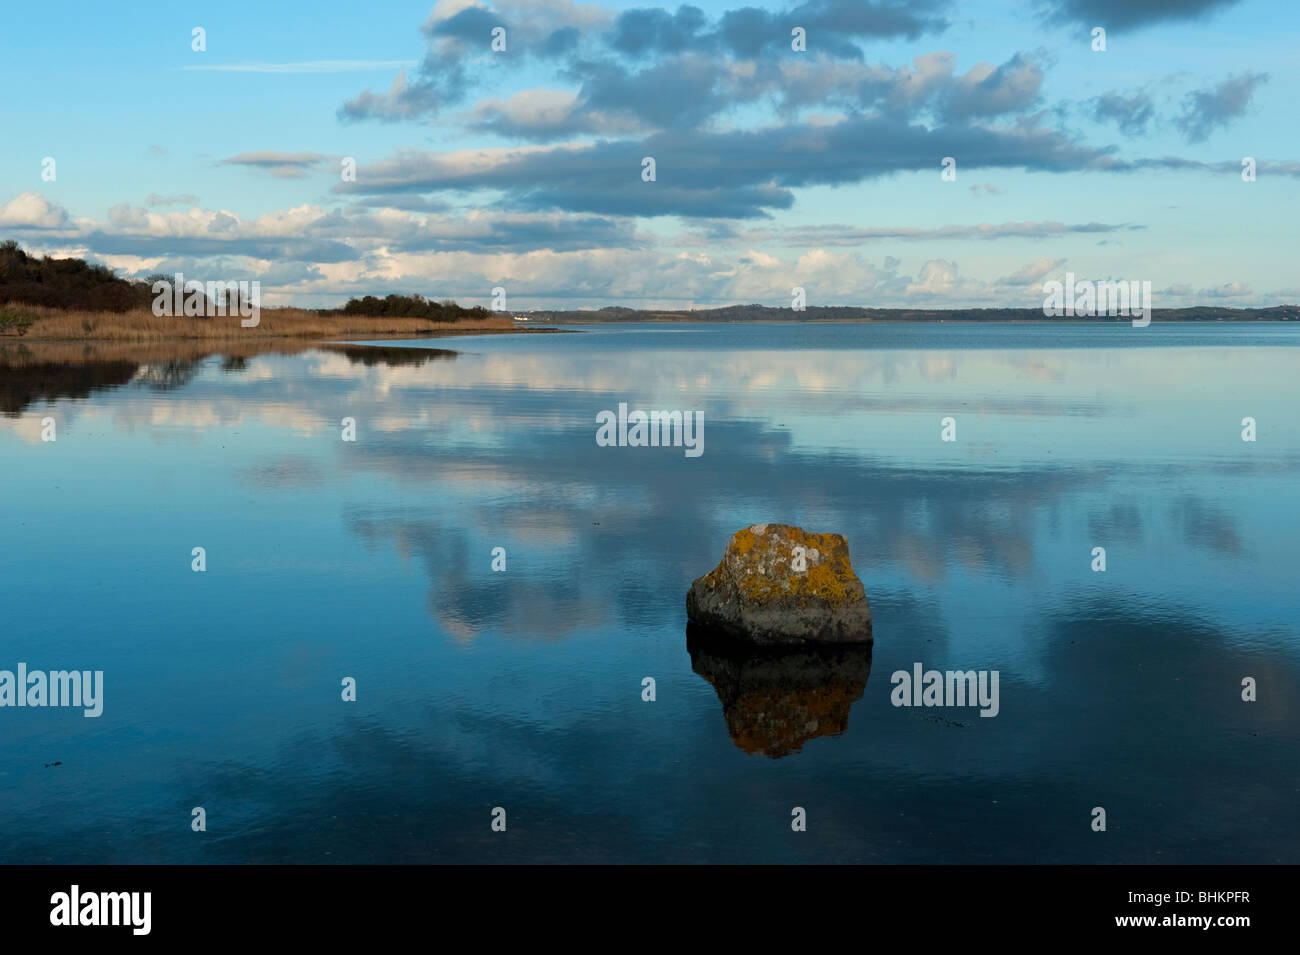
{"x":775,"y":700}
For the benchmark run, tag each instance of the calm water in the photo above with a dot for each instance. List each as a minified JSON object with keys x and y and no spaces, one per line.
{"x":372,"y":559}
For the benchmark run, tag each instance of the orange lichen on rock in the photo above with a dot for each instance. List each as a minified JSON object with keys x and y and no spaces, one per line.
{"x":779,"y":584}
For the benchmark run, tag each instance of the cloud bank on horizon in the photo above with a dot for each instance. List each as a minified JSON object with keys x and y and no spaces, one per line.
{"x":930,"y":153}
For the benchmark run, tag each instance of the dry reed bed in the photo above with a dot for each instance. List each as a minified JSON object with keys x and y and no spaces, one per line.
{"x":51,"y":325}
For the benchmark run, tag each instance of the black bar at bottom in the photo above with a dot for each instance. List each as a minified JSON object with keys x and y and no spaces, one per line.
{"x":333,"y":904}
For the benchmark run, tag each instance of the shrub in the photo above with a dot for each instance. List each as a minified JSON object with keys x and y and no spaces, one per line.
{"x":412,"y":306}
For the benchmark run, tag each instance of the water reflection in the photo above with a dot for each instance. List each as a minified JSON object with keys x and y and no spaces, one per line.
{"x":48,"y":371}
{"x":372,"y":356}
{"x":776,"y":700}
{"x":27,"y":377}
{"x":373,"y":559}
{"x":167,"y":375}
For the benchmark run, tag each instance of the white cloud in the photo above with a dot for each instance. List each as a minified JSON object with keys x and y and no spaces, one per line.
{"x":33,"y":210}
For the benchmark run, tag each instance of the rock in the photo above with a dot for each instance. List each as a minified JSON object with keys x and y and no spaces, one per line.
{"x":779,"y":585}
{"x":775,"y":699}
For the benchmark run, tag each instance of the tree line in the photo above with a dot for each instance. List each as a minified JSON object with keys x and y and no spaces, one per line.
{"x":76,"y":284}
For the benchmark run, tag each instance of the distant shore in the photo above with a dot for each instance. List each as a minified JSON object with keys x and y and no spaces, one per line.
{"x":857,"y":315}
{"x":32,"y":324}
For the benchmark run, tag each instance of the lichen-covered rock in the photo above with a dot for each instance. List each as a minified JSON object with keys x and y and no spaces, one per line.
{"x":779,"y":585}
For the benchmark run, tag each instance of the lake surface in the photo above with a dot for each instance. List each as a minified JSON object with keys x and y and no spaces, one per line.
{"x":522,"y":689}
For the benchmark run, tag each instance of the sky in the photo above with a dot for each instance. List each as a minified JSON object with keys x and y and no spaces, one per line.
{"x":227,"y":155}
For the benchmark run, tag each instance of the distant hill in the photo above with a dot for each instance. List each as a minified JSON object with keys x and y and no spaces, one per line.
{"x":849,"y":313}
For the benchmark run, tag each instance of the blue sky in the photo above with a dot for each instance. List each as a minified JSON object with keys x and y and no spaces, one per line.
{"x":774,"y":168}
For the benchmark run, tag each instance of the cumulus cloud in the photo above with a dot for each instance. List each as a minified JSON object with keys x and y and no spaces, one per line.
{"x":544,"y":114}
{"x":691,"y":89}
{"x":732,"y":174}
{"x":32,"y":210}
{"x":312,"y":234}
{"x":1131,"y":113}
{"x":1204,"y":111}
{"x":1034,"y":272}
{"x":749,"y":31}
{"x":667,"y":68}
{"x":458,"y":37}
{"x":405,"y":100}
{"x":988,"y":91}
{"x":929,"y":86}
{"x":937,"y":278}
{"x":1226,"y":290}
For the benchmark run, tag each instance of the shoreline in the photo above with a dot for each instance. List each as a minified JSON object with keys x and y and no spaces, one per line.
{"x":41,"y":325}
{"x":922,"y":321}
{"x":293,"y":328}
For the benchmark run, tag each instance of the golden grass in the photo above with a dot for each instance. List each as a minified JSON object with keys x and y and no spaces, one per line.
{"x":52,"y":325}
